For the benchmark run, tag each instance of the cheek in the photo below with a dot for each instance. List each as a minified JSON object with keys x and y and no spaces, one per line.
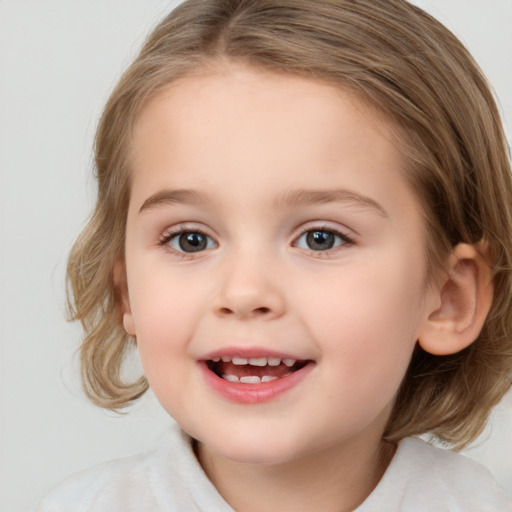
{"x":164,"y":318}
{"x":366,"y":298}
{"x":164,"y":315}
{"x":366,"y":324}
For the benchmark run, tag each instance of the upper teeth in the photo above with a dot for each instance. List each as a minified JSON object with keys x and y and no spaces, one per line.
{"x":255,"y":361}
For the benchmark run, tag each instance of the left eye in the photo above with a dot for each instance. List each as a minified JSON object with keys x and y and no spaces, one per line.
{"x":320,"y":240}
{"x":191,"y":241}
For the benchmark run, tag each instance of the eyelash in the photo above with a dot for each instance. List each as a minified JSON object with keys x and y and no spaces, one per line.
{"x":168,"y":236}
{"x":345,"y":239}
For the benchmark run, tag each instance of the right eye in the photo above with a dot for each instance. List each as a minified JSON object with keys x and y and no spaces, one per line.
{"x":190,"y":241}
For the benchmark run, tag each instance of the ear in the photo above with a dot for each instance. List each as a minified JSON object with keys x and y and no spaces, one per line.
{"x":464,"y":300}
{"x":122,"y":296}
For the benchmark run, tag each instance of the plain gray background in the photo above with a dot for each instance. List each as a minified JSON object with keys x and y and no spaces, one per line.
{"x":58,"y":61}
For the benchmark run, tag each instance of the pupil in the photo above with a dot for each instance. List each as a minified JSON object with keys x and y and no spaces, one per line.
{"x":320,"y":240}
{"x":192,"y":242}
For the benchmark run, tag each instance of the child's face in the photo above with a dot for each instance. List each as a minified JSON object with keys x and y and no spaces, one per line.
{"x":269,"y":219}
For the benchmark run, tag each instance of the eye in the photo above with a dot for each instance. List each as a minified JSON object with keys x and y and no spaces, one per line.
{"x":321,"y":240}
{"x":190,"y":241}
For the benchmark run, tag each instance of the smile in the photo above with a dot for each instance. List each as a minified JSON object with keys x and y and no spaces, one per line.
{"x":252,"y":380}
{"x":253,"y":370}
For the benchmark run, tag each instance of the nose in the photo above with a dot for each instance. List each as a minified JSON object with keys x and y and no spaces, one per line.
{"x":250,"y":289}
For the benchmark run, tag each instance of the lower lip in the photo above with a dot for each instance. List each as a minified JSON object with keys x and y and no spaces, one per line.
{"x":253,"y":393}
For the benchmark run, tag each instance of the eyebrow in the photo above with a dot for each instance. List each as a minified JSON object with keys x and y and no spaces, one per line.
{"x":177,"y":196}
{"x":304,"y":197}
{"x":295,"y":197}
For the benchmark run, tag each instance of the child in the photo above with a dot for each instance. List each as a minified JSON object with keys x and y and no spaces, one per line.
{"x":304,"y":225}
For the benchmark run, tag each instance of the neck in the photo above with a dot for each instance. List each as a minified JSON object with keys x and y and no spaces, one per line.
{"x":337,"y":479}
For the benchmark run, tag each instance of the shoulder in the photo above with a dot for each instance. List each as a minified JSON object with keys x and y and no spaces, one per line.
{"x":455,"y":471}
{"x":422,"y":477}
{"x":104,"y":486}
{"x":162,"y":480}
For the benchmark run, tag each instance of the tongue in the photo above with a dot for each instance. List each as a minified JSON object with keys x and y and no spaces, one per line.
{"x":248,"y":370}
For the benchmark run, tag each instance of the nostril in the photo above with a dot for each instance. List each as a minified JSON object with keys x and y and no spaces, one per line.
{"x":255,"y":311}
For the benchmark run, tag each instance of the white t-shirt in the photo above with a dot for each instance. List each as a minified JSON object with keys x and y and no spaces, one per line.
{"x":420,"y":478}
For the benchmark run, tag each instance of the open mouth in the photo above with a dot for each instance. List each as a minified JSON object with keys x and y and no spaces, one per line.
{"x":254,"y":370}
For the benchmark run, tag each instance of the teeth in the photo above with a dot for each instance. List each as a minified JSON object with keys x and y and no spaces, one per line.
{"x":250,"y":380}
{"x":258,"y":361}
{"x":255,"y":361}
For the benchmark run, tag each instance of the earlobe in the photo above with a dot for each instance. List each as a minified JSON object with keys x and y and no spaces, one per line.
{"x":128,"y":324}
{"x":464,"y":298}
{"x":122,"y":297}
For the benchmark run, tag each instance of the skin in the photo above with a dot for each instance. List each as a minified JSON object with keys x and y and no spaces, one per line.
{"x":243,"y":141}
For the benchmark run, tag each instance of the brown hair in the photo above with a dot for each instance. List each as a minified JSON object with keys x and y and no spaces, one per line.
{"x":414,"y":71}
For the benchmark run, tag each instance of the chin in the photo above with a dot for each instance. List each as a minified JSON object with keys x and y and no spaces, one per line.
{"x":244,"y":450}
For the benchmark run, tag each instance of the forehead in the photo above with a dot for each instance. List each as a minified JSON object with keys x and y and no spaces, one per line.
{"x":248,"y":118}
